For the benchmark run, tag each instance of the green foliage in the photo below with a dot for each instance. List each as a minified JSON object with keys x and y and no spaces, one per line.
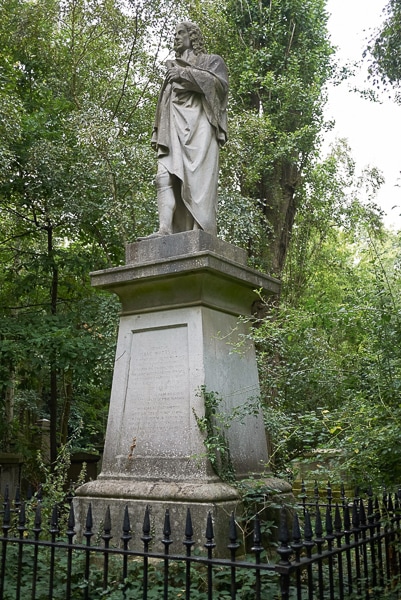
{"x":54,"y":481}
{"x":335,"y":198}
{"x":133,"y":586}
{"x":79,"y":84}
{"x":330,"y":362}
{"x":213,"y":425}
{"x":384,"y":48}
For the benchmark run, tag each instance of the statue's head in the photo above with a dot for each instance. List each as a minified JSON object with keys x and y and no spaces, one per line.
{"x":195,"y":37}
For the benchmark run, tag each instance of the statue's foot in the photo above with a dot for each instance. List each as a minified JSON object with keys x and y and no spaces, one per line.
{"x":153,"y":236}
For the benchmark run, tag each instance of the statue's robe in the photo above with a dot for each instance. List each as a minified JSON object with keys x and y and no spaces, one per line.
{"x":190,"y":126}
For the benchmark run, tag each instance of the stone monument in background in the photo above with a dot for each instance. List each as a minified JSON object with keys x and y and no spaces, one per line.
{"x":181,"y":298}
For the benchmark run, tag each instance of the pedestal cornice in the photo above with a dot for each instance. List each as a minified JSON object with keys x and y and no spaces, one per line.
{"x":187,"y":269}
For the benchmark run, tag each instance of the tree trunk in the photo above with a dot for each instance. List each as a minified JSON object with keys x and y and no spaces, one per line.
{"x":67,"y":406}
{"x":280,"y":208}
{"x":53,"y":363}
{"x":9,"y":398}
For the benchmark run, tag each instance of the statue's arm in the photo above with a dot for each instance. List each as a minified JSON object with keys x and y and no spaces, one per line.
{"x":185,"y":77}
{"x":198,"y":79}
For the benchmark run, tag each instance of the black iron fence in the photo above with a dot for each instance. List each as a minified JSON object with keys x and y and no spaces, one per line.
{"x":327,"y":549}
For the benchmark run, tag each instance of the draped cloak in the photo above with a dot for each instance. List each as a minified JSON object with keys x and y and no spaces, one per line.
{"x":190,"y":126}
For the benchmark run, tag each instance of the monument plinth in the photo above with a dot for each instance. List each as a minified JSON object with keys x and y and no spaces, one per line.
{"x":181,"y":296}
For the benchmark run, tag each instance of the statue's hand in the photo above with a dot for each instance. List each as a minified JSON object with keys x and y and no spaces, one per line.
{"x":173,"y":74}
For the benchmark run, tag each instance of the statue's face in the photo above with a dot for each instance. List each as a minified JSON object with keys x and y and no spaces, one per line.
{"x":181,"y":39}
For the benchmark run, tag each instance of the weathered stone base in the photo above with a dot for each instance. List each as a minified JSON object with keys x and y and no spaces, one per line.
{"x":217,"y":498}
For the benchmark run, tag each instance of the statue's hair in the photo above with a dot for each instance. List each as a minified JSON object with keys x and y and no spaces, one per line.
{"x":196,"y":37}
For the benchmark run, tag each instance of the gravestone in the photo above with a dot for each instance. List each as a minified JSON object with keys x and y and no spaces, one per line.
{"x":179,"y":337}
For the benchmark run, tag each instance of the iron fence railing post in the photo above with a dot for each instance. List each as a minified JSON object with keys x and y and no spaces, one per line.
{"x":284,"y":551}
{"x":309,"y":545}
{"x":70,"y":536}
{"x":372,"y":545}
{"x":338,"y":533}
{"x":88,"y":533}
{"x":125,"y":538}
{"x":166,"y":542}
{"x":397,"y":515}
{"x":188,"y":542}
{"x":347,"y":538}
{"x":316,"y":493}
{"x":363,"y":529}
{"x":209,"y":545}
{"x":357,"y":551}
{"x":257,"y":549}
{"x":386,"y":525}
{"x":342,"y":494}
{"x":297,"y":546}
{"x":378,"y":536}
{"x":106,"y":537}
{"x":233,"y":547}
{"x":319,"y":541}
{"x":21,"y":530}
{"x":37,"y":529}
{"x":17,"y":499}
{"x":6,"y":527}
{"x":392,"y":537}
{"x":6,"y":498}
{"x":146,"y":539}
{"x":54,"y":531}
{"x":330,"y":537}
{"x":302,"y":496}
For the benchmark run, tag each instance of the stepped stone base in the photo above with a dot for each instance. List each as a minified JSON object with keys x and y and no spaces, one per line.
{"x":215,"y":497}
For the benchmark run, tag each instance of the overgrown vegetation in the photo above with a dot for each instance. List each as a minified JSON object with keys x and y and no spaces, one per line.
{"x":213,"y":424}
{"x":133,"y":586}
{"x":330,"y":359}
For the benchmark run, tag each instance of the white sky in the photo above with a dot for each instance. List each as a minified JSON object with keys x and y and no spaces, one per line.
{"x":372,"y":129}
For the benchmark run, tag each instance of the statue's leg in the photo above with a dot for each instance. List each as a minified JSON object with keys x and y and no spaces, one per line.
{"x":166,"y":203}
{"x":183,"y":218}
{"x":165,"y":200}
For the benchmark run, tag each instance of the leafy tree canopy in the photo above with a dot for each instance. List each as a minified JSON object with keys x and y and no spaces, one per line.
{"x":329,"y":355}
{"x":384,"y":49}
{"x":79,"y":82}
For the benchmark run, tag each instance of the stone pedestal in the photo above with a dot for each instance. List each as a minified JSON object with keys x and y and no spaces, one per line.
{"x":179,"y":333}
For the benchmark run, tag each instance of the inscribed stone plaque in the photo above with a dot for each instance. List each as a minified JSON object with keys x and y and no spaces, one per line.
{"x":157,"y":398}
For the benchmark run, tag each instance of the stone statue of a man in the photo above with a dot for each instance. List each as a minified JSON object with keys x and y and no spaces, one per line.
{"x":190,"y":127}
